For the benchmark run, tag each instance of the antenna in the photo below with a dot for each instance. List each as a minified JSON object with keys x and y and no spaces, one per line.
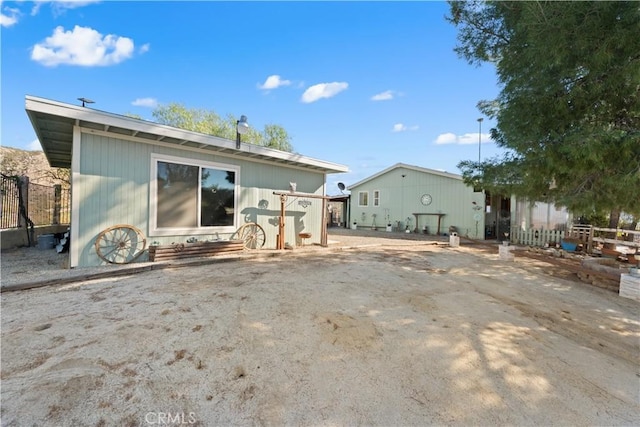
{"x":86,"y":101}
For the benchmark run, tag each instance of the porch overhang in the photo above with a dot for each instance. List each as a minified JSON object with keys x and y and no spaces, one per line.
{"x":54,"y":122}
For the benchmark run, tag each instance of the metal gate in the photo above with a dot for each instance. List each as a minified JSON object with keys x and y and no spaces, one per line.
{"x":10,"y":202}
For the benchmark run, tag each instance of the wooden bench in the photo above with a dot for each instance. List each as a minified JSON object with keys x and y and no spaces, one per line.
{"x":418,"y":215}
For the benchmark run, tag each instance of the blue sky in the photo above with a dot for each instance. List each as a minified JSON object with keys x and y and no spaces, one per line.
{"x":364,"y":84}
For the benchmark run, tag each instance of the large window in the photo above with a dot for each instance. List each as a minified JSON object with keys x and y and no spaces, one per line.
{"x":192,"y":197}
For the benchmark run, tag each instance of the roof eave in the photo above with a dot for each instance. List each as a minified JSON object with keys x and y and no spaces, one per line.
{"x":405,"y":166}
{"x":37,"y":108}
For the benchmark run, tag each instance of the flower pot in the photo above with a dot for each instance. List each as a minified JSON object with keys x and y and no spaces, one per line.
{"x":354,"y":226}
{"x":568,"y":245}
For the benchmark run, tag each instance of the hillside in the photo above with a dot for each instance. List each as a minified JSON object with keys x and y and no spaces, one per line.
{"x":34,"y":164}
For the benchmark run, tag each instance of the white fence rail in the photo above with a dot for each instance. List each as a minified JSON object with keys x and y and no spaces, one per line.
{"x":533,"y":237}
{"x":591,"y":237}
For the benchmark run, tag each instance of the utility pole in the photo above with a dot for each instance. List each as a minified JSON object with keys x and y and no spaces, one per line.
{"x":479,"y":136}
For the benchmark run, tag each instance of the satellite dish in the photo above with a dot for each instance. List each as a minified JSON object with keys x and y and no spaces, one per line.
{"x":341,"y":186}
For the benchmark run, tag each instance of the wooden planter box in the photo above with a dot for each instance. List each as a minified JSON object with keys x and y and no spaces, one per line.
{"x":610,"y":253}
{"x":194,"y":250}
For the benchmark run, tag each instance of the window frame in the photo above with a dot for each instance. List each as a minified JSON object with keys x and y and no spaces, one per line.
{"x":154,"y":230}
{"x":376,"y":198}
{"x":366,"y":197}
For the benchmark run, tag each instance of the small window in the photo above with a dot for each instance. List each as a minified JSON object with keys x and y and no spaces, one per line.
{"x":376,"y":198}
{"x":363,"y":198}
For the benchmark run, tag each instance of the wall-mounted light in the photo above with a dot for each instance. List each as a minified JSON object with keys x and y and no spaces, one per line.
{"x":242,"y":127}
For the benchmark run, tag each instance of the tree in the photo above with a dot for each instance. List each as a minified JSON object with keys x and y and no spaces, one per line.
{"x":276,"y":137}
{"x":568,"y":112}
{"x":209,"y":122}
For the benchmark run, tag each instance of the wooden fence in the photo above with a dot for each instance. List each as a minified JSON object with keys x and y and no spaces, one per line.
{"x":533,"y":237}
{"x":615,"y":237}
{"x":591,"y":237}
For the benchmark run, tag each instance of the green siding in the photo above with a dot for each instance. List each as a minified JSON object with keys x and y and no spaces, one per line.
{"x":401,"y":197}
{"x":114,"y":184}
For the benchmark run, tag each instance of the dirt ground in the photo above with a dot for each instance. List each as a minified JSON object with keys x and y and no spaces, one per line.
{"x":371,"y":332}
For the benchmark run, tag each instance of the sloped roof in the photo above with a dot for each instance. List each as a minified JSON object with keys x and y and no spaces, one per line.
{"x":410,"y":167}
{"x":53,"y":123}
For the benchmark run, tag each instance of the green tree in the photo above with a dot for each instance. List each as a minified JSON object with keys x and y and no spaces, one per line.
{"x":275,"y":136}
{"x":209,"y":122}
{"x":568,"y":112}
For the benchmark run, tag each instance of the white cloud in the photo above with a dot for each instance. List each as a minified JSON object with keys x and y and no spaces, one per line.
{"x":59,"y":6}
{"x":82,"y":46}
{"x":72,"y":4}
{"x":464,"y":139}
{"x":273,"y":82}
{"x":323,"y":90}
{"x":383,"y":96}
{"x":34,"y":145}
{"x":145,"y":102}
{"x":400,"y":127}
{"x":9,"y":16}
{"x":144,"y":48}
{"x":446,"y":138}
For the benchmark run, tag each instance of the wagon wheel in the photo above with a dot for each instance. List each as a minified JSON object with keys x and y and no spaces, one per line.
{"x":251,"y":234}
{"x":120,"y":244}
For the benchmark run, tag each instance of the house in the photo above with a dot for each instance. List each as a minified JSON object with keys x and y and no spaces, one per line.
{"x":416,"y":199}
{"x":175,"y":185}
{"x":540,"y":216}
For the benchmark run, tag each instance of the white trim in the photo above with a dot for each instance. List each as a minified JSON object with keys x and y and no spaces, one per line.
{"x":153,"y":189}
{"x":409,"y":167}
{"x":74,"y":247}
{"x":376,"y":200}
{"x":107,"y":120}
{"x":360,"y":205}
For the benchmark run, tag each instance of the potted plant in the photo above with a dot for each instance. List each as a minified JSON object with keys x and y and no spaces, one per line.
{"x":354,"y":226}
{"x":389,"y":228}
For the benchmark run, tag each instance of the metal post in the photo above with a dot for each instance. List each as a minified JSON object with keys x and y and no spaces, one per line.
{"x":280,"y":243}
{"x":479,"y":136}
{"x":323,"y":229}
{"x":57,"y":203}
